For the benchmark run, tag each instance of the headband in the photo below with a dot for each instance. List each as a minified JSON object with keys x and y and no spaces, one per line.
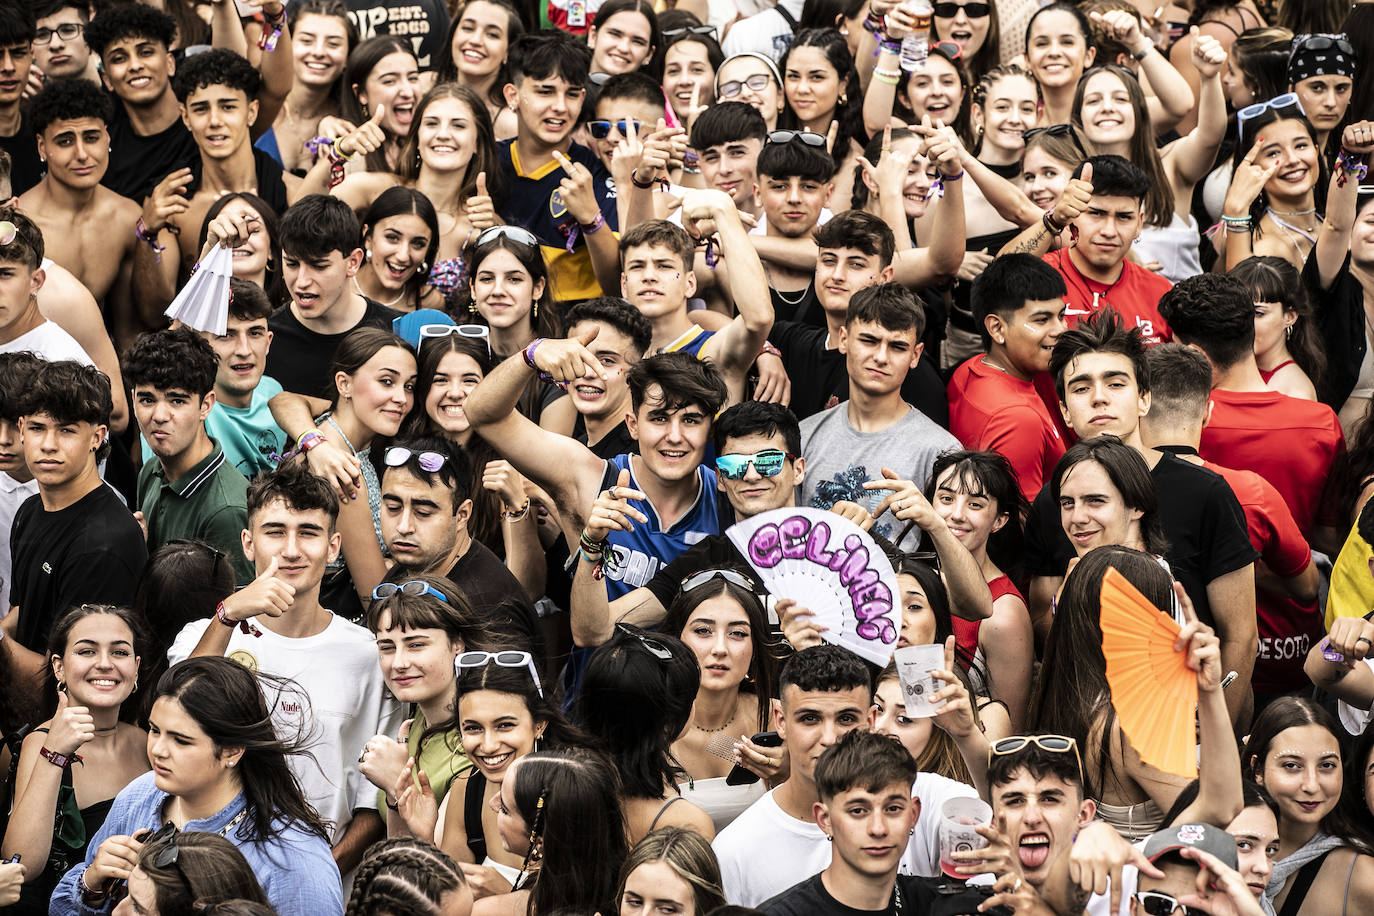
{"x":772,"y":66}
{"x":1320,"y":54}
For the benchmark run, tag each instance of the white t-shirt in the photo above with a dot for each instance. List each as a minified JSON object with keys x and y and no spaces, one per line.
{"x":49,"y":341}
{"x":12,"y":494}
{"x":766,"y":33}
{"x":342,"y":703}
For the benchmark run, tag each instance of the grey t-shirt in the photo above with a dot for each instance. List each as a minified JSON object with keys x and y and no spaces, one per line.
{"x":839,"y":459}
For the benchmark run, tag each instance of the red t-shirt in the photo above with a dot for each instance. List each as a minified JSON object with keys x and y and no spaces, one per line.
{"x":991,"y":410}
{"x":1290,"y":442}
{"x":1287,"y":629}
{"x":1135,"y":296}
{"x":966,"y":631}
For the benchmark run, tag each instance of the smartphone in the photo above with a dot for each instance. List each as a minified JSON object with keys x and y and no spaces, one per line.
{"x":739,"y":776}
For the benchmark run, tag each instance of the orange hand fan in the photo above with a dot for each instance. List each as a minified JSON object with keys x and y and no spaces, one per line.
{"x":1153,"y":690}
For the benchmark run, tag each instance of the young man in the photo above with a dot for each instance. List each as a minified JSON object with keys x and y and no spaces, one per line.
{"x":555,"y":188}
{"x":1251,"y":426}
{"x":190,"y":491}
{"x":855,"y":250}
{"x":16,"y":57}
{"x":275,"y":626}
{"x":624,"y":97}
{"x":75,"y":542}
{"x":1103,"y":384}
{"x":603,"y":404}
{"x":148,"y":140}
{"x":1095,"y":268}
{"x":77,"y":214}
{"x":425,"y":526}
{"x":727,"y":138}
{"x":825,"y":693}
{"x":22,"y":325}
{"x":657,"y":279}
{"x":320,"y":257}
{"x":1286,"y":583}
{"x":853,"y":442}
{"x":1018,"y":304}
{"x":59,"y":44}
{"x":17,"y":482}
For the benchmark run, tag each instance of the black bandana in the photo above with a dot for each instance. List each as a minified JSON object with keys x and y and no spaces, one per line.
{"x":1318,"y":55}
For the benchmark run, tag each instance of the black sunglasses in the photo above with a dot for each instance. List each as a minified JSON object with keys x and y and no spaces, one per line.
{"x":971,"y":10}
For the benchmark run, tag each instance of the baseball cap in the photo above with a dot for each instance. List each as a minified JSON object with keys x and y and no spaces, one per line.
{"x":1199,"y":836}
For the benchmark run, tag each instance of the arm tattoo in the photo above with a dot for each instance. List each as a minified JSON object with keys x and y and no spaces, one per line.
{"x":1029,"y":245}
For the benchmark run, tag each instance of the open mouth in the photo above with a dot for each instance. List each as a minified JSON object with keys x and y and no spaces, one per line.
{"x":103,"y":683}
{"x":1033,"y":850}
{"x":493,"y":762}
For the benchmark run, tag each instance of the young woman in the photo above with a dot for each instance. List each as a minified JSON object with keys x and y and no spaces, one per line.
{"x":1058,"y":50}
{"x":258,"y":257}
{"x":623,"y":37}
{"x":559,"y":809}
{"x":1256,"y":829}
{"x":1105,"y":496}
{"x":1257,"y":66}
{"x":900,"y":166}
{"x":400,"y":241}
{"x":1326,"y":853}
{"x":405,"y":875}
{"x":821,"y":87}
{"x":691,"y":60}
{"x":1360,"y":770}
{"x":1052,"y":155}
{"x":977,"y":495}
{"x":973,"y":26}
{"x":636,"y":694}
{"x":753,"y":79}
{"x":94,"y":653}
{"x":382,"y":73}
{"x":1286,"y":348}
{"x":937,"y":89}
{"x":218,"y":767}
{"x":719,"y":618}
{"x":475,"y":55}
{"x":322,"y":37}
{"x":1275,"y":174}
{"x":671,"y":870}
{"x":204,"y":869}
{"x":1110,"y":108}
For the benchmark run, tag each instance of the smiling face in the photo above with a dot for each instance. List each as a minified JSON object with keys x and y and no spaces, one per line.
{"x":137,"y":69}
{"x":972,"y":515}
{"x":686,"y":67}
{"x":767,"y":99}
{"x":77,"y":151}
{"x":497,"y":729}
{"x":753,"y":493}
{"x":934,"y":89}
{"x":251,"y":256}
{"x":219,"y":119}
{"x":809,"y":721}
{"x":1043,"y":815}
{"x":319,"y":49}
{"x":888,"y":717}
{"x":418,"y":523}
{"x":719,"y":635}
{"x":1107,"y":113}
{"x":811,"y":85}
{"x":395,"y":83}
{"x":731,"y":167}
{"x":793,"y":204}
{"x":172,"y":420}
{"x":918,"y":619}
{"x":1044,"y":178}
{"x":318,"y":283}
{"x":1290,"y":148}
{"x":869,"y":829}
{"x":654,"y":889}
{"x":481,"y":40}
{"x":1057,"y":50}
{"x":548,"y":108}
{"x":1324,"y":99}
{"x":1092,"y":511}
{"x":58,"y":453}
{"x":1362,"y":236}
{"x":99,"y":666}
{"x":503,"y":290}
{"x":620,"y":44}
{"x":395,"y":249}
{"x":842,"y":272}
{"x":417,"y":664}
{"x":381,"y":392}
{"x":455,"y":378}
{"x":614,"y":351}
{"x":1101,"y":396}
{"x":878,"y":358}
{"x":302,"y":542}
{"x":1302,"y":770}
{"x":1009,"y":110}
{"x":1257,"y":845}
{"x":185,"y":760}
{"x":510,"y":826}
{"x":672,"y":442}
{"x":1024,"y":341}
{"x":447,"y":136}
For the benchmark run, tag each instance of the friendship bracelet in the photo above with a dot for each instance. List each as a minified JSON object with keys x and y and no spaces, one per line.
{"x":600,"y":220}
{"x":591,"y":546}
{"x":246,"y":628}
{"x":516,"y":514}
{"x":1347,"y":164}
{"x":890,"y":45}
{"x":1050,"y":223}
{"x":1236,"y":223}
{"x":268,"y":41}
{"x":884,"y":78}
{"x":313,"y":145}
{"x":143,"y":235}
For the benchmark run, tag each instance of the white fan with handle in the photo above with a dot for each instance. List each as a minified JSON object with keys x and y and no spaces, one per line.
{"x":203,"y":302}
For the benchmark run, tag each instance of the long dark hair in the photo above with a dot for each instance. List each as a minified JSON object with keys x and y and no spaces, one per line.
{"x":1345,"y":822}
{"x":1159,"y":205}
{"x":225,"y":700}
{"x":334,"y":9}
{"x":357,"y":347}
{"x":484,"y":157}
{"x":1128,"y":473}
{"x":1273,"y":279}
{"x":447,"y":67}
{"x":990,"y":54}
{"x":517,"y":682}
{"x":636,"y":703}
{"x":962,"y":122}
{"x":858,"y":198}
{"x":570,"y":802}
{"x":183,"y":580}
{"x":61,"y":635}
{"x":762,"y":677}
{"x":274,"y":284}
{"x":399,"y":201}
{"x":543,"y":311}
{"x":992,"y":475}
{"x":1071,"y":693}
{"x":1255,"y":128}
{"x":361,"y":63}
{"x":849,"y":113}
{"x":207,"y":869}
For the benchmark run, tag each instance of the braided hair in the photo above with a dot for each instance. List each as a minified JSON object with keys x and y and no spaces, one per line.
{"x":404,"y":875}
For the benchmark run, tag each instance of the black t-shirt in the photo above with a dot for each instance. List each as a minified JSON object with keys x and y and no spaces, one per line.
{"x":91,"y":552}
{"x":26,"y":169}
{"x":820,"y":379}
{"x":714,"y":551}
{"x":1341,"y":322}
{"x":138,"y":163}
{"x":424,"y":23}
{"x":616,"y":442}
{"x":1202,"y":520}
{"x":798,"y":305}
{"x":493,"y":591}
{"x":918,"y":897}
{"x":300,"y":358}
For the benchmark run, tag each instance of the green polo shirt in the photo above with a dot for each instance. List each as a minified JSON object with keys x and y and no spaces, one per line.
{"x":209,"y":503}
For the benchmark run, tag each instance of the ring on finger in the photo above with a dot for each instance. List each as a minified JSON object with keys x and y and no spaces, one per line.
{"x":1016,"y":886}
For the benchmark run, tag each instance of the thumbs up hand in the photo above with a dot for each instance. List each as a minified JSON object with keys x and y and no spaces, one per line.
{"x":480,"y":208}
{"x":366,"y":139}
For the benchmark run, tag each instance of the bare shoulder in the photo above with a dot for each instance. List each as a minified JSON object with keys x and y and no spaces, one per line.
{"x":65,"y":299}
{"x":512,"y":904}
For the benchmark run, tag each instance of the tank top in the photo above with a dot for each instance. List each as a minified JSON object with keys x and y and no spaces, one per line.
{"x":966,"y":631}
{"x":1267,"y":374}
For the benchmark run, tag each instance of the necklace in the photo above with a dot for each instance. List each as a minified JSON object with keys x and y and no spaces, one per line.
{"x":1308,"y":212}
{"x":360,"y":292}
{"x":723,"y":727}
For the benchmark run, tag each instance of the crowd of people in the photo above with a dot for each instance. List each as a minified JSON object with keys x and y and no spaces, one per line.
{"x":405,"y":588}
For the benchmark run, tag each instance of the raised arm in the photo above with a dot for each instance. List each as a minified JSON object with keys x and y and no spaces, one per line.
{"x":920,"y":267}
{"x":1039,"y":238}
{"x":580,"y":198}
{"x":1333,"y":241}
{"x":1191,"y":158}
{"x":1173,"y":95}
{"x":1247,"y":181}
{"x":1338,"y":663}
{"x":881,"y":91}
{"x":712,"y":213}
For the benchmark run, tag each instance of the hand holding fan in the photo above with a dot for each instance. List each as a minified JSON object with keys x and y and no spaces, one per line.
{"x":203,"y":303}
{"x":1153,"y":690}
{"x":830,"y":566}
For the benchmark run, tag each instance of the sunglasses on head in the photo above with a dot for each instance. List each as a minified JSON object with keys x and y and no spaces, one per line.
{"x":1321,"y":42}
{"x":971,"y":10}
{"x":430,"y":462}
{"x":474,"y":331}
{"x":509,"y":658}
{"x":757,"y":83}
{"x":805,"y":136}
{"x":767,"y":462}
{"x":514,"y":233}
{"x":1055,"y":744}
{"x":655,"y":648}
{"x":1055,"y":130}
{"x":696,"y":580}
{"x":414,"y":588}
{"x":8,"y":232}
{"x":949,"y":50}
{"x":670,"y":34}
{"x":169,"y":855}
{"x":1278,"y":102}
{"x":1156,"y":903}
{"x":600,"y":130}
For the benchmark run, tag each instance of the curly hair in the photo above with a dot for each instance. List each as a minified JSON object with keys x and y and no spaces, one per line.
{"x":216,"y":67}
{"x":131,"y":20}
{"x":68,"y":100}
{"x":175,"y":359}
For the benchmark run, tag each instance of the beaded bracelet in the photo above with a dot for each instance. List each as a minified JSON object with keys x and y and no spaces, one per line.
{"x":1347,"y":164}
{"x":143,"y":235}
{"x":516,"y":515}
{"x":1236,"y":223}
{"x":890,"y":45}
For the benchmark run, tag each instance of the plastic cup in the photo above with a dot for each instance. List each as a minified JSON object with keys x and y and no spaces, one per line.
{"x":959,"y":818}
{"x":914,"y":664}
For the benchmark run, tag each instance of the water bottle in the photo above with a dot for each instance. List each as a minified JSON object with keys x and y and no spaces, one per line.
{"x":916,"y":46}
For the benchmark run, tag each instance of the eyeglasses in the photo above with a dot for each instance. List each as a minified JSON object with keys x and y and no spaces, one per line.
{"x":473,"y":331}
{"x":514,"y":233}
{"x":414,"y":588}
{"x":805,"y":136}
{"x":670,"y":34}
{"x":696,"y":580}
{"x":1055,"y":744}
{"x":1056,"y":130}
{"x":1155,"y":903}
{"x":600,"y":130}
{"x":8,"y":232}
{"x":429,"y":461}
{"x":657,"y":649}
{"x":767,"y":462}
{"x":66,"y":31}
{"x":757,"y":83}
{"x":509,"y":658}
{"x":971,"y":10}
